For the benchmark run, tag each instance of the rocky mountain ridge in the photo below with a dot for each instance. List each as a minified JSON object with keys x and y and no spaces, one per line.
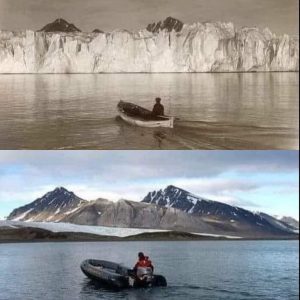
{"x":53,"y":206}
{"x":169,"y":209}
{"x":168,"y":24}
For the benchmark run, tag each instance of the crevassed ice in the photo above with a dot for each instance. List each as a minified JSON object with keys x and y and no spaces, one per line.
{"x":200,"y":47}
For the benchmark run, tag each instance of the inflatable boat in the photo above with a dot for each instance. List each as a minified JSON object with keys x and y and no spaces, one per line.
{"x":117,"y":276}
{"x":139,"y":116}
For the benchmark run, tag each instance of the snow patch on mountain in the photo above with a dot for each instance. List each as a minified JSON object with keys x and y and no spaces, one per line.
{"x":23,"y":215}
{"x":217,"y":235}
{"x":72,"y":210}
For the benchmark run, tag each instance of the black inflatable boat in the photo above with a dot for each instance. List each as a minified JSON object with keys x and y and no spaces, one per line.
{"x":117,"y":276}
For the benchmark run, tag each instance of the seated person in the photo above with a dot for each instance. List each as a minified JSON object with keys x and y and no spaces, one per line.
{"x":143,"y":265}
{"x":158,"y":108}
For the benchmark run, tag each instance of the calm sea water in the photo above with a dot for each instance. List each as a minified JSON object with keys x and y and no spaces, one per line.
{"x":215,"y":111}
{"x":234,"y":270}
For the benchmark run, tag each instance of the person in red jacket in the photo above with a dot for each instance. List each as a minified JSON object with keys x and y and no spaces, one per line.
{"x":143,"y":262}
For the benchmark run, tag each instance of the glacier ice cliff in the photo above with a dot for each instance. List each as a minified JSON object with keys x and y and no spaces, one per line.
{"x":199,"y":47}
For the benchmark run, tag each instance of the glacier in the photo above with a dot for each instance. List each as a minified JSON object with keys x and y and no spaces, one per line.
{"x":198,"y":47}
{"x":100,"y":230}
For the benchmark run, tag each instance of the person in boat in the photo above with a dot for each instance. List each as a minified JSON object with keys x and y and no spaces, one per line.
{"x":158,"y":108}
{"x":143,"y":265}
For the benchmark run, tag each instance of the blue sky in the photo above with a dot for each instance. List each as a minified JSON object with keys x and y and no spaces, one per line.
{"x":256,"y":180}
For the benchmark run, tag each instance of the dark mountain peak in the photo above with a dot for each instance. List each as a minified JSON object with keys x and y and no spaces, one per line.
{"x":168,"y":24}
{"x":173,"y":188}
{"x":60,"y":25}
{"x":173,"y":196}
{"x":60,"y":200}
{"x":62,"y":190}
{"x":172,"y":21}
{"x":60,"y":21}
{"x":97,"y":31}
{"x":59,"y":194}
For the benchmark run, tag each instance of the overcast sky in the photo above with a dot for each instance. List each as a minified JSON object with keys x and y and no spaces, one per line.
{"x":257,"y":180}
{"x":281,"y":16}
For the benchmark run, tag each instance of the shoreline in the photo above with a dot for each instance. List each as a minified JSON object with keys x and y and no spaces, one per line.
{"x":169,"y":237}
{"x":167,"y":240}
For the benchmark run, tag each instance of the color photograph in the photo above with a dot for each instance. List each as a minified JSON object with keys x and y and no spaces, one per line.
{"x":212,"y":223}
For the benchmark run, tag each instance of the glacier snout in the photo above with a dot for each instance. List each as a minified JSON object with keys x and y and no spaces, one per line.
{"x":200,"y":47}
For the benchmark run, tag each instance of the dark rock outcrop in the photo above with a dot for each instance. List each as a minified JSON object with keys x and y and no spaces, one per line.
{"x":168,"y":24}
{"x":97,"y":31}
{"x":60,"y":25}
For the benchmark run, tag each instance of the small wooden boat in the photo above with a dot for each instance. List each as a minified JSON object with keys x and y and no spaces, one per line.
{"x":117,"y":276}
{"x":139,"y":116}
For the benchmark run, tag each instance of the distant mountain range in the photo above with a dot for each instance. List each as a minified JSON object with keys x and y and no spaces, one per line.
{"x":170,"y":209}
{"x":165,"y":46}
{"x":61,"y":25}
{"x":212,"y":210}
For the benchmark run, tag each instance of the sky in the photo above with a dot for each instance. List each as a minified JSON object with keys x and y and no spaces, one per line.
{"x":281,"y":16}
{"x":264,"y":181}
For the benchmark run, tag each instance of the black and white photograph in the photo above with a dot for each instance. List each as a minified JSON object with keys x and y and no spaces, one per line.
{"x":137,"y":74}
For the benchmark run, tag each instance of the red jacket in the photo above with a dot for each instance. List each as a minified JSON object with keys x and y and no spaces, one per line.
{"x":144,"y":263}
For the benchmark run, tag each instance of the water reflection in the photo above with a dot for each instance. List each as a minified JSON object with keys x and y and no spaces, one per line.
{"x":214,"y":111}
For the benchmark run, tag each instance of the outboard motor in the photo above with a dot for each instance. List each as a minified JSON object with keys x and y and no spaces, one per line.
{"x":144,"y":274}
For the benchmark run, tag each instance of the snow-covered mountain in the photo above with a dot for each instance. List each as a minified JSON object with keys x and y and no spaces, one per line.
{"x":213,"y":211}
{"x":169,"y":209}
{"x":53,"y":206}
{"x":166,"y":46}
{"x":61,"y":205}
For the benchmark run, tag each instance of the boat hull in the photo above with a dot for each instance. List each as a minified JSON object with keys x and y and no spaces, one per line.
{"x":145,"y":119}
{"x":116,"y":276}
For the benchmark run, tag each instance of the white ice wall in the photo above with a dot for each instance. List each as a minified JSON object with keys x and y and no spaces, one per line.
{"x":200,"y":47}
